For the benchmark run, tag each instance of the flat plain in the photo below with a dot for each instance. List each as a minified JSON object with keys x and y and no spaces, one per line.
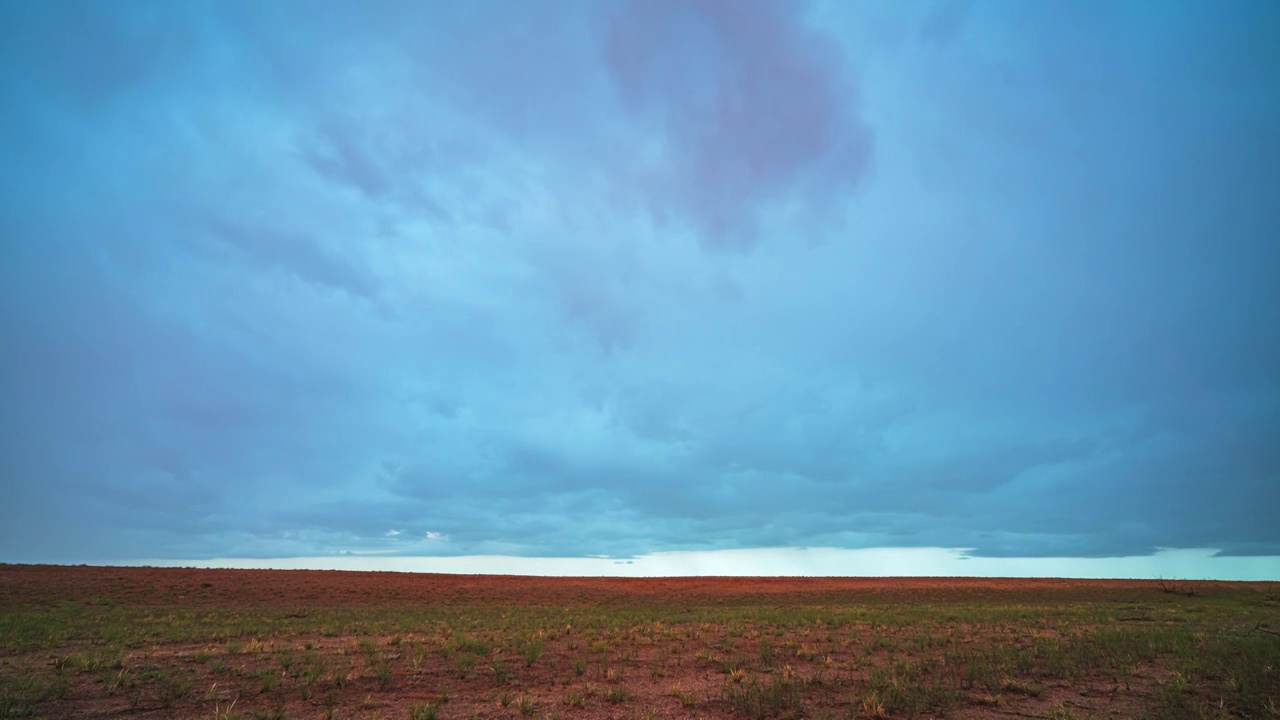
{"x":110,"y":642}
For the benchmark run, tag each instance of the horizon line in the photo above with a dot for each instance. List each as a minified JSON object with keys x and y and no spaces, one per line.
{"x":1202,"y":564}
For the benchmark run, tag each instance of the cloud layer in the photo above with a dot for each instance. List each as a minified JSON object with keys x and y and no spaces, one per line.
{"x":617,"y":278}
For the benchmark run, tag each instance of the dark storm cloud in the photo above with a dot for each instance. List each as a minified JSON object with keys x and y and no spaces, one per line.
{"x":87,"y":54}
{"x":752,"y":103}
{"x":411,"y":279}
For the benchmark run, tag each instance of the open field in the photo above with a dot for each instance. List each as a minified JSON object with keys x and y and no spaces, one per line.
{"x":89,"y":642}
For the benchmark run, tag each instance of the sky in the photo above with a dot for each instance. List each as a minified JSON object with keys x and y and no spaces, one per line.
{"x":617,"y":282}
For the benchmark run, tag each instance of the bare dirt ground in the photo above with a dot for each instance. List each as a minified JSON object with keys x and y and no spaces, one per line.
{"x":99,"y":642}
{"x":34,"y":583}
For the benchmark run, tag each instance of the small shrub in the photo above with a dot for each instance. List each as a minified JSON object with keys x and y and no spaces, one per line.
{"x":532,"y":651}
{"x":423,"y":712}
{"x":687,"y":700}
{"x":174,"y":689}
{"x":779,"y":698}
{"x":615,"y":694}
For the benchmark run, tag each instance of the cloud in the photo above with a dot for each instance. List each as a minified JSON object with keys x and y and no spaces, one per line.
{"x":944,"y":21}
{"x":317,"y":273}
{"x":288,"y":251}
{"x":392,"y":533}
{"x":750,"y":105}
{"x":118,"y":50}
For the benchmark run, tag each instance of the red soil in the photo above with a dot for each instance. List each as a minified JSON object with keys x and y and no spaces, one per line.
{"x":162,"y":586}
{"x":650,"y":660}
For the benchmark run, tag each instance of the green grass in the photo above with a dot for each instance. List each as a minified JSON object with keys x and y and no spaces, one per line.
{"x":1213,"y":654}
{"x":616,"y":695}
{"x":532,"y":650}
{"x":423,"y":711}
{"x":21,"y":695}
{"x":781,"y":696}
{"x":687,"y":700}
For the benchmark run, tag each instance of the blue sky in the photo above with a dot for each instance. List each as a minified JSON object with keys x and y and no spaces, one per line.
{"x":570,"y":279}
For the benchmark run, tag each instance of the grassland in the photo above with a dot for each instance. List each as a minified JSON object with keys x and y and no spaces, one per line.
{"x":109,"y":642}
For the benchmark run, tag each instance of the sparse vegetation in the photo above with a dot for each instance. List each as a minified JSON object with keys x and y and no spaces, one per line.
{"x":1174,"y":587}
{"x":423,"y":711}
{"x":687,"y":700}
{"x":895,"y":649}
{"x":575,"y":698}
{"x":616,"y":694}
{"x":532,"y":650}
{"x":778,"y":697}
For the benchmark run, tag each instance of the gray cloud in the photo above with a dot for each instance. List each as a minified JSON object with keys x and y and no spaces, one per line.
{"x":750,"y":104}
{"x":87,"y":54}
{"x":294,"y":253}
{"x":405,"y":267}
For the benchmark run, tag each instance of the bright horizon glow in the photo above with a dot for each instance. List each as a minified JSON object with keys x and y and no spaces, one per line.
{"x":1183,"y":564}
